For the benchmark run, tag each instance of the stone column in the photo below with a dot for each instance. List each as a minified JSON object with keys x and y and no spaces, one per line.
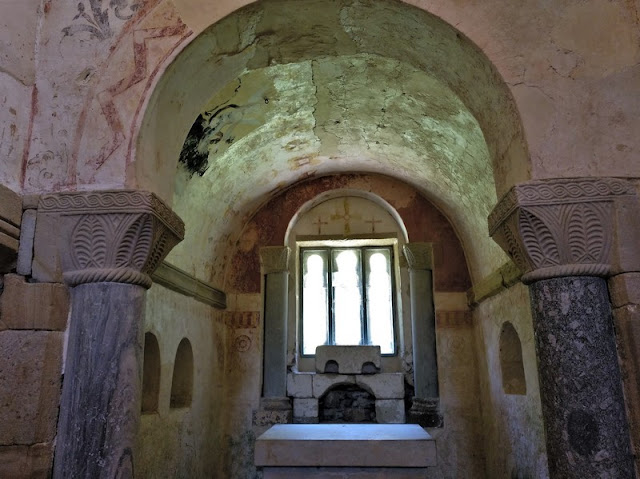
{"x":425,"y":408}
{"x":109,"y":243}
{"x":275,"y":267}
{"x":566,"y":236}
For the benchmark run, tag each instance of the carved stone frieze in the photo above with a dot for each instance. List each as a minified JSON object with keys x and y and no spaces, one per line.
{"x":419,"y":255}
{"x":111,"y":236}
{"x":565,"y":227}
{"x":274,"y":259}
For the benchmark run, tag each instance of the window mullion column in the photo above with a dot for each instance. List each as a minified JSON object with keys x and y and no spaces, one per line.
{"x":275,"y":267}
{"x":426,"y":402}
{"x":330,"y":306}
{"x":364,"y":315}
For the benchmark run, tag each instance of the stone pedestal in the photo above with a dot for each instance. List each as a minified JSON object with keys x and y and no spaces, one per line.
{"x":108,"y":244}
{"x":580,"y":386}
{"x":307,"y":389}
{"x":348,"y":359}
{"x":322,"y":451}
{"x":425,"y":409}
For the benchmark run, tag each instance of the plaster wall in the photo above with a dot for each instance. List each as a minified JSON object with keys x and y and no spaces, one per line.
{"x":460,"y":443}
{"x":513,"y":431}
{"x":184,"y":442}
{"x":243,"y":380}
{"x":572,"y":68}
{"x":421,"y":219}
{"x":19,"y":21}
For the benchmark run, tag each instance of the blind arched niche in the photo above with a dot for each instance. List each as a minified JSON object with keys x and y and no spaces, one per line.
{"x":511,"y":365}
{"x":150,"y":374}
{"x":182,"y":383}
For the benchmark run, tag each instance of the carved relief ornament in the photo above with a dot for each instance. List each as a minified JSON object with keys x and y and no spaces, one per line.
{"x":566,"y":227}
{"x":112,"y":236}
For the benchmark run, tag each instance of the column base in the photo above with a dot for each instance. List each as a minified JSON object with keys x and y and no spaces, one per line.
{"x":273,"y":410}
{"x":425,"y":412}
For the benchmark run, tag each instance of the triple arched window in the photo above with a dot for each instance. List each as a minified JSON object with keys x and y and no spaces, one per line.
{"x":347,"y":296}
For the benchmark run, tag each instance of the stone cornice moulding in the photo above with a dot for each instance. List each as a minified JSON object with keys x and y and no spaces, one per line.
{"x":419,"y":255}
{"x":569,"y":227}
{"x":499,"y":280}
{"x":186,"y":284}
{"x":274,"y":259}
{"x":111,"y":236}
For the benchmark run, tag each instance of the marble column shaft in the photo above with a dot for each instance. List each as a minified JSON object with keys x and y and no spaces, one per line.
{"x":580,"y":386}
{"x":102,"y":386}
{"x":275,"y":335}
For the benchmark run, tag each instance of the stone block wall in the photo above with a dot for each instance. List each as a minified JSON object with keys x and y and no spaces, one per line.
{"x":346,"y":404}
{"x":319,"y":397}
{"x":460,"y":442}
{"x":33,"y":318}
{"x":624,"y":290}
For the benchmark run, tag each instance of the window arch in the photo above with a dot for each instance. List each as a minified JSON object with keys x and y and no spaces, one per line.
{"x":150,"y":374}
{"x":347,"y":272}
{"x":513,"y":378}
{"x":182,"y":382}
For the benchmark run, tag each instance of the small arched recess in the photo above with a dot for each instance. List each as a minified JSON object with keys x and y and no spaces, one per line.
{"x":511,"y":365}
{"x":150,"y":374}
{"x":182,"y":383}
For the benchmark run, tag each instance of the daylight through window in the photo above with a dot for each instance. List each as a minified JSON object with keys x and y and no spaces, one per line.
{"x":347,"y":297}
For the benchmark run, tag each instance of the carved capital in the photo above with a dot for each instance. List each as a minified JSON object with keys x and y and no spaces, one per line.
{"x":566,"y":227}
{"x":419,"y":255}
{"x":110,"y":236}
{"x":274,"y":259}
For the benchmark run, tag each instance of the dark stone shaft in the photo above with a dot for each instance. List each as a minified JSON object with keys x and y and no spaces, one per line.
{"x":580,"y":386}
{"x":101,"y":393}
